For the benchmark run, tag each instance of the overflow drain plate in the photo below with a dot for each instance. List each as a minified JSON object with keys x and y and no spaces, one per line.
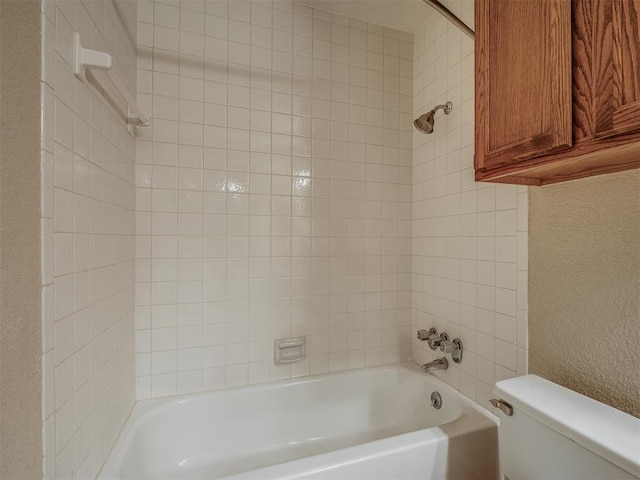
{"x":436,"y":400}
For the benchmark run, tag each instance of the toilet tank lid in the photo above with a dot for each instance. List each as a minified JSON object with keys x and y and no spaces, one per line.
{"x":604,"y":430}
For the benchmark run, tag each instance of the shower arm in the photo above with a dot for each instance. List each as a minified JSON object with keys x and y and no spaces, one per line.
{"x":446,"y":107}
{"x":451,"y":17}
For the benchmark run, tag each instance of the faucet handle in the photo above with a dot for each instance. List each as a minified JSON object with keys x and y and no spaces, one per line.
{"x":447,"y":346}
{"x":430,"y":336}
{"x":426,"y":334}
{"x":454,"y":348}
{"x":435,"y":340}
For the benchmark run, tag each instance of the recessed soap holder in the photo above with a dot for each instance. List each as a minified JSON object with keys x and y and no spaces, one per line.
{"x":288,"y":350}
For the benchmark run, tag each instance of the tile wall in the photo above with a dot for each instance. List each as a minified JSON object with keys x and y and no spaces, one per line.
{"x":280,"y":191}
{"x":88,"y":241}
{"x":273,"y":193}
{"x":469,"y":239}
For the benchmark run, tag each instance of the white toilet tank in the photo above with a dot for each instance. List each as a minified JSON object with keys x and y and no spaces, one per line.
{"x":556,"y":433}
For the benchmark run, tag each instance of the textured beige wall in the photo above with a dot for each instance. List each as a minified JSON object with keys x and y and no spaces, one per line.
{"x":584,"y":287}
{"x":20,"y":320}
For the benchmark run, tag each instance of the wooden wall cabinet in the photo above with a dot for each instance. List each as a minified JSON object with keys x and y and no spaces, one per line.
{"x":557,"y":89}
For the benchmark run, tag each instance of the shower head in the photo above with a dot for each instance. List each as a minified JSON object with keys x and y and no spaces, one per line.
{"x":424,"y":123}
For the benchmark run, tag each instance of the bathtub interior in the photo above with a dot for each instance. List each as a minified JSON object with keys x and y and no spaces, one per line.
{"x":217,"y":434}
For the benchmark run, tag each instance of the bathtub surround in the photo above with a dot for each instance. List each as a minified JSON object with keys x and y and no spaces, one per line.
{"x":88,"y":243}
{"x":273,"y":193}
{"x":469,"y":239}
{"x":20,"y":325}
{"x":585,"y":283}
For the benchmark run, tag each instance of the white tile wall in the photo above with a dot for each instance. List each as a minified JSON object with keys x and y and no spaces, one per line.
{"x":88,"y":242}
{"x":469,"y":239}
{"x":276,"y":195}
{"x":273,"y":193}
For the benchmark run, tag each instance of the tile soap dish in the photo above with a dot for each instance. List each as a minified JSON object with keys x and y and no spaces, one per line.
{"x":288,"y":350}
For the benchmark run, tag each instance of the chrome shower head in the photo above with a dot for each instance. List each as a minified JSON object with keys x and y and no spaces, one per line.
{"x":424,"y":123}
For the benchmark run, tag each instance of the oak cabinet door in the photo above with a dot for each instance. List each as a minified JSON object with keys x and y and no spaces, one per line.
{"x":617,"y":50}
{"x":523,"y":80}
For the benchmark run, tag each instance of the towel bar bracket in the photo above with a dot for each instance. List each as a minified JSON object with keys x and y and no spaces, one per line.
{"x":86,"y":58}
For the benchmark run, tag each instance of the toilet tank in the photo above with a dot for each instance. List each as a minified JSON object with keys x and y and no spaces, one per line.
{"x":556,"y":433}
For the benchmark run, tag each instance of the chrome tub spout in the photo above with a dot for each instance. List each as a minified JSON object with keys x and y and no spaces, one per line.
{"x":437,"y":364}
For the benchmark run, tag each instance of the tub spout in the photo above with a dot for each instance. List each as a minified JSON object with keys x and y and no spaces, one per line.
{"x":437,"y":364}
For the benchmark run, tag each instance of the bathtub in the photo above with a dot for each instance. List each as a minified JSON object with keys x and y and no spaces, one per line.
{"x":369,"y":424}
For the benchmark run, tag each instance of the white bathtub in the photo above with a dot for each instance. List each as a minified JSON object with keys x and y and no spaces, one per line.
{"x":371,"y":423}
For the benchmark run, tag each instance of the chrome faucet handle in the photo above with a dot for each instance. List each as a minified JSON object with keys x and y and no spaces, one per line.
{"x":447,"y":346}
{"x":454,"y":348}
{"x":426,"y":334}
{"x":435,"y":340}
